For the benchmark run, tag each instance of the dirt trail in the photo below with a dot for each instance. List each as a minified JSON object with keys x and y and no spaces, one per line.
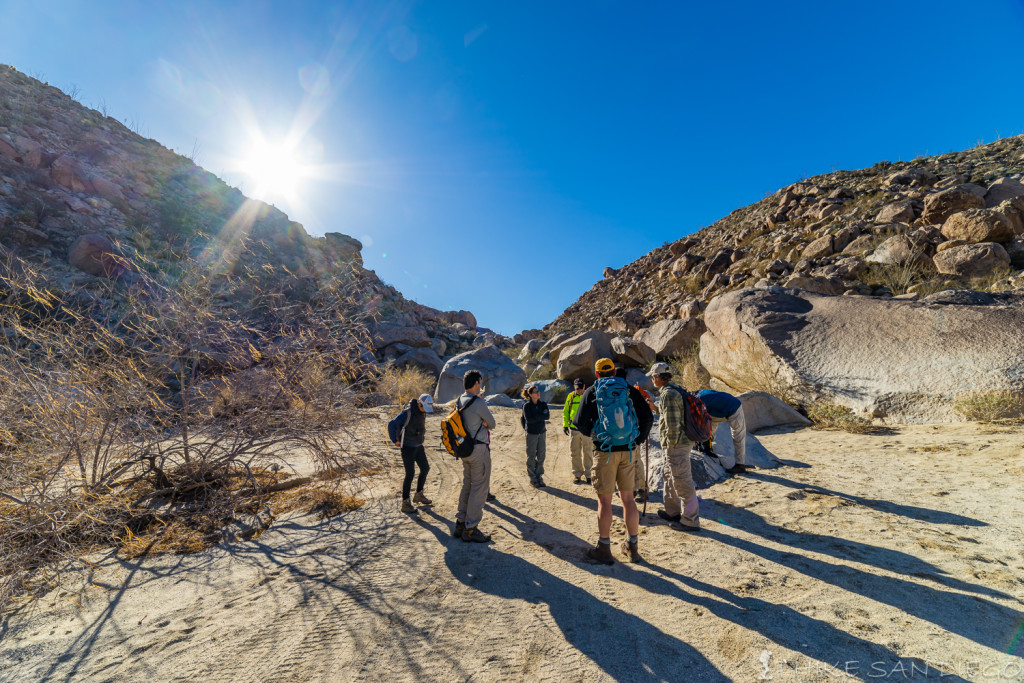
{"x":882,"y":555}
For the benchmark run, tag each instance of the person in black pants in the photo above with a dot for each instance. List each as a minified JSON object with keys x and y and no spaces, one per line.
{"x":535,"y":422}
{"x":410,"y":427}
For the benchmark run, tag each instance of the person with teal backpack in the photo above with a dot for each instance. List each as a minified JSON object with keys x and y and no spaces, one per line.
{"x":618,"y":420}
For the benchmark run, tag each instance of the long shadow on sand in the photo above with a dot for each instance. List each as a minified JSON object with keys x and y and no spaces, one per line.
{"x":626,"y":647}
{"x":910,"y":511}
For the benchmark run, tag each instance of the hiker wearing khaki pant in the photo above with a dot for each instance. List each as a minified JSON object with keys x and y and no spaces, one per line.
{"x":726,"y":407}
{"x":476,"y":467}
{"x":581,"y":448}
{"x":681,"y":504}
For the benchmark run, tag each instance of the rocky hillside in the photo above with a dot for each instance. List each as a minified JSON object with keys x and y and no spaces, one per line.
{"x":87,"y":201}
{"x":952,"y":221}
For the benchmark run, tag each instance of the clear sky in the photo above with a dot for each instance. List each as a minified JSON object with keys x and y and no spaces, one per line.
{"x":496,"y":156}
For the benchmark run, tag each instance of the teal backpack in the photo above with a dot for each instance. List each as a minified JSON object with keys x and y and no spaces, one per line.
{"x":616,"y":420}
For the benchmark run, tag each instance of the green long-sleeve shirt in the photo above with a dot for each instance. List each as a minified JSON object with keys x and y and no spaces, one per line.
{"x":670,"y":421}
{"x":572,"y":405}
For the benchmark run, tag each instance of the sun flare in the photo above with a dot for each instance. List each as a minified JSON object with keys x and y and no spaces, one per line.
{"x":274,"y":168}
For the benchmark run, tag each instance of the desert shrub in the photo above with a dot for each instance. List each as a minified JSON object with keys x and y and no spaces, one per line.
{"x":990,"y":406}
{"x":835,"y":417}
{"x":560,"y":393}
{"x":402,"y":384}
{"x":688,"y":370}
{"x":116,"y":429}
{"x":756,"y":372}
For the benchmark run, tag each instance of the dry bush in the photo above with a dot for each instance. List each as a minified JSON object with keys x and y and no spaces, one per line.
{"x":835,"y":417}
{"x":135,"y":416}
{"x":756,"y":372}
{"x":403,"y":384}
{"x":689,"y":371}
{"x":990,"y":406}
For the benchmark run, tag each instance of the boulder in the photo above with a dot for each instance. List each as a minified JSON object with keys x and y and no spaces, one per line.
{"x":440,"y":346}
{"x":503,"y":401}
{"x":531,"y":347}
{"x":859,"y":246}
{"x":576,"y":361}
{"x":978,"y":225}
{"x":670,"y":338}
{"x":972,"y":260}
{"x":602,"y":344}
{"x":761,"y":410}
{"x":107,"y":189}
{"x":691,"y":309}
{"x":631,"y":353}
{"x":628,"y":322}
{"x":907,"y":360}
{"x":500,"y":373}
{"x":554,"y":342}
{"x":819,"y":248}
{"x":423,"y":358}
{"x":636,"y":377}
{"x":912,"y":177}
{"x":66,"y":172}
{"x":897,"y":212}
{"x":609,"y":271}
{"x":1015,"y":250}
{"x":817,"y":283}
{"x":684,"y":264}
{"x":1003,"y":190}
{"x":385,"y":335}
{"x":941,"y":205}
{"x":898,"y":249}
{"x":30,"y":153}
{"x":550,"y":387}
{"x":344,"y":247}
{"x":718,"y":263}
{"x":1013,"y":210}
{"x":95,"y":254}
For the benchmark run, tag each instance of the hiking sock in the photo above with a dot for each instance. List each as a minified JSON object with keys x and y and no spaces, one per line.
{"x":632,"y":540}
{"x":604,"y":541}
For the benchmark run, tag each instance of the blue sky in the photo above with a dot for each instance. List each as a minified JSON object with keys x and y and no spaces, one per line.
{"x":497,"y":156}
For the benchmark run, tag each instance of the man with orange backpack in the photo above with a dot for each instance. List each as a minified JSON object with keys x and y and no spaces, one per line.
{"x":681,"y":505}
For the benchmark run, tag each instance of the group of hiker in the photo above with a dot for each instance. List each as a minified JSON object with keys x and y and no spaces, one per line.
{"x":607,"y":423}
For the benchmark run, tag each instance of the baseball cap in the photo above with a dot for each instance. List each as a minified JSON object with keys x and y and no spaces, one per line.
{"x":659,"y":369}
{"x":604,"y":365}
{"x":428,"y":403}
{"x":577,"y":382}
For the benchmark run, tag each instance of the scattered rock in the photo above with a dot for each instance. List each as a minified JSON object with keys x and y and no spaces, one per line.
{"x":96,"y":255}
{"x":941,"y":205}
{"x":897,"y":212}
{"x":819,"y":248}
{"x":898,"y":249}
{"x":978,"y":225}
{"x":385,"y":335}
{"x":972,"y":260}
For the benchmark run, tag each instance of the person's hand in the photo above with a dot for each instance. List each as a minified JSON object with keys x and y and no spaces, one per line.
{"x":566,"y":430}
{"x":397,"y":445}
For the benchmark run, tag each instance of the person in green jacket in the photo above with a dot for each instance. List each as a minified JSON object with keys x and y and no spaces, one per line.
{"x":581,"y":448}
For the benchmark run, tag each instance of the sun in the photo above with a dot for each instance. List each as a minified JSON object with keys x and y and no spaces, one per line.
{"x":275,"y":169}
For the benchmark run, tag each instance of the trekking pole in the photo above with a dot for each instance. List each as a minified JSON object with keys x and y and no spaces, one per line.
{"x":647,"y":473}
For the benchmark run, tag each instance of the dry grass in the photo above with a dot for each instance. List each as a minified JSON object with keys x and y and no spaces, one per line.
{"x":990,"y":407}
{"x":829,"y":416}
{"x":689,"y":371}
{"x":324,"y":503}
{"x":756,"y":372}
{"x":402,"y":384}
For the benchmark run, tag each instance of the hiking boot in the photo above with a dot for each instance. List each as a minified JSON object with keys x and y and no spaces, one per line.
{"x":407,"y":507}
{"x":640,"y":496}
{"x":474,"y":535}
{"x":541,"y":484}
{"x":601,"y":553}
{"x":460,"y":527}
{"x":576,"y":480}
{"x":588,"y":480}
{"x":536,"y":484}
{"x":420,"y":499}
{"x":669,"y":518}
{"x":491,"y":496}
{"x":631,"y":551}
{"x":679,"y":526}
{"x":736,"y":469}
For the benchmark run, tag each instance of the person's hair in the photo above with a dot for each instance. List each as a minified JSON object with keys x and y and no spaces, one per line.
{"x":414,"y":405}
{"x":620,"y":372}
{"x":664,"y":376}
{"x":470,"y":379}
{"x":526,"y":392}
{"x":606,"y":373}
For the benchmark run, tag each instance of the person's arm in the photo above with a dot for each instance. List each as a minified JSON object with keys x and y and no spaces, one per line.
{"x":485,"y":414}
{"x":545,"y":411}
{"x":644,"y":415}
{"x":586,"y":415}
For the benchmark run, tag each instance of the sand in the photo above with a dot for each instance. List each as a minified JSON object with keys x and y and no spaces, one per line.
{"x":884,"y":557}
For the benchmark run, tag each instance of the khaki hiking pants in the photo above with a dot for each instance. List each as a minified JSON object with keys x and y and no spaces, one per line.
{"x":476,"y":484}
{"x":581,"y":448}
{"x":738,"y":427}
{"x":680,"y":494}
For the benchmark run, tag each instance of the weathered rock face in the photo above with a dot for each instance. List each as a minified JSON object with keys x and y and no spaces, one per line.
{"x":576,"y":361}
{"x":897,"y":249}
{"x":669,"y":338}
{"x":1002,"y":190}
{"x":908,"y":360}
{"x":978,"y":225}
{"x":631,"y":353}
{"x":941,"y":205}
{"x":897,"y":212}
{"x":500,"y":373}
{"x":761,"y":410}
{"x":423,"y":358}
{"x":602,"y":345}
{"x":972,"y":260}
{"x":386,"y":335}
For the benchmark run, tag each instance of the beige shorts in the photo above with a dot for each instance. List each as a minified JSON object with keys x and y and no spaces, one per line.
{"x":612,"y":470}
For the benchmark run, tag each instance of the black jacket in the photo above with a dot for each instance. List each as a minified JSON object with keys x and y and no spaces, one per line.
{"x":536,"y":415}
{"x":586,"y":416}
{"x":415,"y":425}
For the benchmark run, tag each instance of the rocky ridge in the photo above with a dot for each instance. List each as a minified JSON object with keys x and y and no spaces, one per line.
{"x":86,"y":200}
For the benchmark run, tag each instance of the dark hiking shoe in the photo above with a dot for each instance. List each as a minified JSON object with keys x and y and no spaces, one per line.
{"x":679,"y":526}
{"x":737,"y":469}
{"x":460,"y":527}
{"x":420,"y":499}
{"x":536,"y":484}
{"x":541,"y":484}
{"x":640,"y":496}
{"x":631,"y":551}
{"x":669,"y":518}
{"x":601,"y":553}
{"x":407,"y":507}
{"x":474,"y":535}
{"x":491,"y":496}
{"x":576,"y":480}
{"x":588,"y":480}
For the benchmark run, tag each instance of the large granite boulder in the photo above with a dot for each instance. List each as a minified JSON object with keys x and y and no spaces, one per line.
{"x":576,"y":361}
{"x":978,"y":225}
{"x":898,"y":249}
{"x":631,"y":353}
{"x":602,"y":343}
{"x":670,"y":338}
{"x":972,"y":260}
{"x":385,"y":335}
{"x":550,"y":388}
{"x":908,"y":360}
{"x":941,"y":205}
{"x":423,"y":358}
{"x":897,"y":212}
{"x":761,"y":410}
{"x":1002,"y":190}
{"x":500,"y":374}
